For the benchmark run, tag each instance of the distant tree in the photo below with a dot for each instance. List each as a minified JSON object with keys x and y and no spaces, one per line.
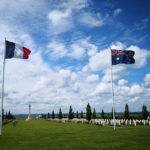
{"x":53,"y":114}
{"x":6,"y":116}
{"x":88,"y":112}
{"x":48,"y":115}
{"x":9,"y":115}
{"x":81,"y":115}
{"x":102,"y":114}
{"x":77,"y":114}
{"x":145,"y":112}
{"x":94,"y":114}
{"x":60,"y":115}
{"x":44,"y":116}
{"x":71,"y":113}
{"x":126,"y":112}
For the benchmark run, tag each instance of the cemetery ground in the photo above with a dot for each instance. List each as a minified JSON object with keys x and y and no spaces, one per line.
{"x":46,"y":135}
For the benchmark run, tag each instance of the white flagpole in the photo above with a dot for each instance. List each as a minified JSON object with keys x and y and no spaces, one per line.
{"x":2,"y":94}
{"x":114,"y":121}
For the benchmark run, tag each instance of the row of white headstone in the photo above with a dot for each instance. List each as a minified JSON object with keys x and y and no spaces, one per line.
{"x":104,"y":122}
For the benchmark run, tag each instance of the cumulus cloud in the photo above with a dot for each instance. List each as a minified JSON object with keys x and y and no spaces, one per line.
{"x":61,"y":18}
{"x":92,"y":78}
{"x":26,"y":14}
{"x":56,"y":49}
{"x":56,"y":16}
{"x":122,"y":82}
{"x":75,"y":4}
{"x":66,"y":16}
{"x":20,"y":7}
{"x":147,"y":79}
{"x":136,"y":89}
{"x":76,"y":50}
{"x":91,"y":20}
{"x":102,"y":88}
{"x":117,"y":72}
{"x":141,"y":56}
{"x":60,"y":21}
{"x":97,"y":61}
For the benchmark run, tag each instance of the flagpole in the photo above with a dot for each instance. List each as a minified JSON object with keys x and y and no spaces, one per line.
{"x":3,"y":79}
{"x":114,"y":121}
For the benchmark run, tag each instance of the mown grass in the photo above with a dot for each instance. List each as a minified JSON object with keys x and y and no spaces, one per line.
{"x":44,"y":135}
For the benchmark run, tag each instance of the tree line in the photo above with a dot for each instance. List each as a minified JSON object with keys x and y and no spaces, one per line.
{"x":7,"y":117}
{"x":91,"y":114}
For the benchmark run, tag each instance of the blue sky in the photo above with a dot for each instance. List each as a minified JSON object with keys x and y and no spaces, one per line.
{"x":70,"y":61}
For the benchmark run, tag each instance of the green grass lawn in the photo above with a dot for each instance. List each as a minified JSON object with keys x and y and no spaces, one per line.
{"x":45,"y":135}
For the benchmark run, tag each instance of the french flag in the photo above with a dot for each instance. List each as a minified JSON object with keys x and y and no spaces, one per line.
{"x":14,"y":50}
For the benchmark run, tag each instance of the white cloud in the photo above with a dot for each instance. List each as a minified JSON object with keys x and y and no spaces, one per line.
{"x":92,"y":78}
{"x":57,"y":16}
{"x":141,"y":56}
{"x":122,"y":90}
{"x":117,"y":72}
{"x":20,"y":7}
{"x":77,"y":51}
{"x":147,"y":79}
{"x":135,"y":95}
{"x":60,"y":21}
{"x":62,"y":18}
{"x":117,"y":45}
{"x":134,"y":100}
{"x":90,"y":48}
{"x":102,"y":88}
{"x":56,"y":49}
{"x":91,"y":20}
{"x":122,"y":82}
{"x":83,"y":47}
{"x":75,"y":4}
{"x":67,"y":75}
{"x":136,"y":89}
{"x":26,"y":15}
{"x":97,"y":61}
{"x":70,"y":13}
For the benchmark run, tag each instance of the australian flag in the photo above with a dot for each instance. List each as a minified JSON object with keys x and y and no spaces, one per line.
{"x":122,"y":57}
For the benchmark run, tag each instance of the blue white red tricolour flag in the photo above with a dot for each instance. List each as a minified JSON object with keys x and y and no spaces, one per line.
{"x":14,"y":50}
